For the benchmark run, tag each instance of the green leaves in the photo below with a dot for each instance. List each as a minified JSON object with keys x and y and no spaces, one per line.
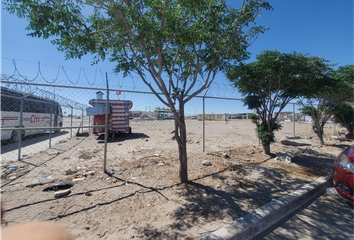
{"x":276,"y":78}
{"x":265,"y":135}
{"x":345,"y":73}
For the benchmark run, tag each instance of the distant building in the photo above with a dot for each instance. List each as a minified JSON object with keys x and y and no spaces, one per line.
{"x":237,"y":116}
{"x":163,"y":113}
{"x":140,"y":114}
{"x":308,"y":119}
{"x":213,"y":117}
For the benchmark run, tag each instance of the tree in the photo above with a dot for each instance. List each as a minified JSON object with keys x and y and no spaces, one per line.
{"x":175,"y":42}
{"x":344,"y":113}
{"x":345,"y":73}
{"x":271,"y":82}
{"x":321,"y":104}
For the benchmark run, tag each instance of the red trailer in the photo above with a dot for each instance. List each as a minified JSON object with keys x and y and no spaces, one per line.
{"x":118,"y":115}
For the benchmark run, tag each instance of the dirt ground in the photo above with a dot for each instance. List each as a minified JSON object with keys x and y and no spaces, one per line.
{"x":143,"y":198}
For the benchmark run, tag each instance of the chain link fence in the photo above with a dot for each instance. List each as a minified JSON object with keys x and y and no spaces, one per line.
{"x":67,"y":126}
{"x":55,"y":132}
{"x":48,"y":122}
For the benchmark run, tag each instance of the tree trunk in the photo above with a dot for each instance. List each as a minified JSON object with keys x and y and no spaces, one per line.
{"x":181,"y":137}
{"x":266,"y":149}
{"x":320,"y":134}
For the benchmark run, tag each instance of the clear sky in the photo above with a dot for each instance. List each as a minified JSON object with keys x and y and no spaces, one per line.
{"x":319,"y":27}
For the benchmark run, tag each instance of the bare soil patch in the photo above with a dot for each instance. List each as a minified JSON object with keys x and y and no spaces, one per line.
{"x":143,"y":197}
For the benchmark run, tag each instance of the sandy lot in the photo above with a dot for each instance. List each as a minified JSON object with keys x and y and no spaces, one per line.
{"x":143,"y":198}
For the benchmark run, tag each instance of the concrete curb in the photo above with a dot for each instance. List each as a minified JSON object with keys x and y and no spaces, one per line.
{"x":253,"y":224}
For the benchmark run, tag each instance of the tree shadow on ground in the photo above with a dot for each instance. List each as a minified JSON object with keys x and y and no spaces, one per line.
{"x":314,"y":160}
{"x":205,"y":204}
{"x":342,"y":146}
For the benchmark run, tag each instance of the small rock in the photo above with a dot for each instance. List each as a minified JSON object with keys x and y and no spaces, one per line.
{"x":206,"y":163}
{"x":218,"y":186}
{"x":160,"y":164}
{"x":331,"y":191}
{"x":91,"y":173}
{"x":146,"y":140}
{"x":68,"y":178}
{"x":12,"y":177}
{"x":283,"y":157}
{"x":78,"y":179}
{"x":139,"y":165}
{"x":87,"y":228}
{"x":45,"y":179}
{"x":53,"y":153}
{"x":70,"y":171}
{"x":225,"y":155}
{"x":62,"y":193}
{"x":88,"y":194}
{"x":122,"y":169}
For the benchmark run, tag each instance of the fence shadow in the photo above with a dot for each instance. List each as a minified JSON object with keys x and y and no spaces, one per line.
{"x":30,"y":140}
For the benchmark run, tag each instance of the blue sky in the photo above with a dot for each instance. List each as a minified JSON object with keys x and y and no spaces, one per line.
{"x":319,"y":27}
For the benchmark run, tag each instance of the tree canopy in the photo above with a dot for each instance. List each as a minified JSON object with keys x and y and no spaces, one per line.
{"x":174,"y":42}
{"x":272,"y":81}
{"x":323,"y":101}
{"x":344,"y":113}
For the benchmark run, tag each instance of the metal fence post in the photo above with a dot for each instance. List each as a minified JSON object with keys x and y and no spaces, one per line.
{"x":50,"y":130}
{"x":294,"y":119}
{"x":71,"y":125}
{"x":82,"y":120}
{"x":204,"y":119}
{"x":19,"y":133}
{"x":106,"y":129}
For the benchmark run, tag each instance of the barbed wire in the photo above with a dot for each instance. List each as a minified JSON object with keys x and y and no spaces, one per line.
{"x":215,"y":89}
{"x":63,"y":101}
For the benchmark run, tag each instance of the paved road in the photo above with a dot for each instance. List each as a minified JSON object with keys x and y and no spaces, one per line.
{"x":40,"y":142}
{"x":329,"y":217}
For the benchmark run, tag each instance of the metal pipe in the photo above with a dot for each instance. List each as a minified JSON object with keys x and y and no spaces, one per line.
{"x":294,"y":119}
{"x":19,"y":133}
{"x":106,"y":129}
{"x":204,"y":119}
{"x":71,"y":124}
{"x":50,"y":130}
{"x":82,"y":120}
